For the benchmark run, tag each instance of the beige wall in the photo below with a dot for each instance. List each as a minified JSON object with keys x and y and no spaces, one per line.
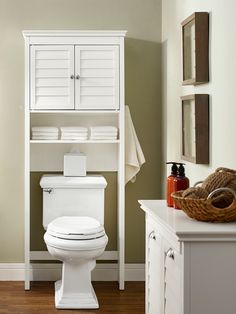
{"x":142,"y":19}
{"x":221,"y":87}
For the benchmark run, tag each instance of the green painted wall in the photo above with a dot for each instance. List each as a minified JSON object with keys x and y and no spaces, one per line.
{"x":142,"y":19}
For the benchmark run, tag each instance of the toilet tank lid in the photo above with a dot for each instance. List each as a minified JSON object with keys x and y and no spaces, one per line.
{"x":59,"y":181}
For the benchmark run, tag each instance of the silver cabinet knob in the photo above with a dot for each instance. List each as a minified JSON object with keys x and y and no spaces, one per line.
{"x":171,"y":254}
{"x":72,"y":76}
{"x":152,"y":235}
{"x":77,"y":77}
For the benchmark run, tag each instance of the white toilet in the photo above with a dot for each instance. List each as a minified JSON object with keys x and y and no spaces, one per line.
{"x":73,"y":215}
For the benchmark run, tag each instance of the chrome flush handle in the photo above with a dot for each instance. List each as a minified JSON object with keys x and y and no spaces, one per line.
{"x":49,"y":190}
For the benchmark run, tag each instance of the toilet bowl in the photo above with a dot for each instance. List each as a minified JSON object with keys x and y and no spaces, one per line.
{"x":77,"y":242}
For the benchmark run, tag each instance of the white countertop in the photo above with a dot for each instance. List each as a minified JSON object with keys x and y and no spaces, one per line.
{"x":185,"y":228}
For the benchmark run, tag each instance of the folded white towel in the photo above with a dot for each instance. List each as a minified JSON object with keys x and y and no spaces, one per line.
{"x":44,"y":137}
{"x":103,"y":137}
{"x":134,"y":157}
{"x":74,"y":129}
{"x":45,"y":134}
{"x":74,"y":136}
{"x":43,"y":129}
{"x":104,"y":133}
{"x":103,"y":129}
{"x":74,"y":133}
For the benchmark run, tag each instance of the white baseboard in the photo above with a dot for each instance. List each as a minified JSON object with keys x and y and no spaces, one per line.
{"x":12,"y":271}
{"x":52,"y":272}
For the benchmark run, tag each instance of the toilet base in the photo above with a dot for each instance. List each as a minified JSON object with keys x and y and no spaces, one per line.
{"x":75,"y":301}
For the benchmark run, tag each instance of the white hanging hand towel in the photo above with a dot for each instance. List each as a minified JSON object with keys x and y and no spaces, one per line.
{"x":134,"y":157}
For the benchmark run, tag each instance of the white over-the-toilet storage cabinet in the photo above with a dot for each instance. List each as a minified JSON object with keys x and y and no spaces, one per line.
{"x":74,"y":78}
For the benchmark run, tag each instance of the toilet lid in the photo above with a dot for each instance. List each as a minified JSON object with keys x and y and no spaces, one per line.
{"x":76,"y":228}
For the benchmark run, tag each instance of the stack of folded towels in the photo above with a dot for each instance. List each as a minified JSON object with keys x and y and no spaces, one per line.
{"x":45,"y":133}
{"x":103,"y":133}
{"x":77,"y":133}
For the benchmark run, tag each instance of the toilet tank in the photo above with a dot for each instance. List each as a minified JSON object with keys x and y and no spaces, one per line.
{"x":72,"y":196}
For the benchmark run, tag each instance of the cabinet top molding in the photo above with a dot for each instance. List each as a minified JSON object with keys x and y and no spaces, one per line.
{"x":75,"y":33}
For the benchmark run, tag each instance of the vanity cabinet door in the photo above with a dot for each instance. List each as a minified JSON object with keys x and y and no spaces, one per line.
{"x":154,"y":273}
{"x":172,"y":280}
{"x":52,"y":77}
{"x":97,"y":77}
{"x":163,"y":271}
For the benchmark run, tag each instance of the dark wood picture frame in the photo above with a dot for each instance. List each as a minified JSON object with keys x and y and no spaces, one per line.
{"x":195,"y":128}
{"x":195,"y":48}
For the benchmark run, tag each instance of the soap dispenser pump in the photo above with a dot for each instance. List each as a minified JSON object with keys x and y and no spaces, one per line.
{"x":170,"y":183}
{"x":181,"y":182}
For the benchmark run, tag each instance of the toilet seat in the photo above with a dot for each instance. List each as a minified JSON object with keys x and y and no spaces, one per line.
{"x":75,"y":244}
{"x":75,"y":228}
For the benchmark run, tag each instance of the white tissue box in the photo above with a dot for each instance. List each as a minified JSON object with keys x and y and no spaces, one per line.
{"x":74,"y":165}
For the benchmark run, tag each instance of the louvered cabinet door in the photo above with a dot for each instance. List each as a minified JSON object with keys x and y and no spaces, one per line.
{"x":154,"y":267}
{"x":52,"y":77}
{"x":172,"y":283}
{"x":96,"y":77}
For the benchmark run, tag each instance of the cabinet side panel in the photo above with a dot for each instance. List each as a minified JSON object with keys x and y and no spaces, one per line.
{"x":213,"y":278}
{"x":27,"y":170}
{"x":121,"y":169}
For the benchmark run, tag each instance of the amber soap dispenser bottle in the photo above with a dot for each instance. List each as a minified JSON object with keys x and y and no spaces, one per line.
{"x":181,"y":182}
{"x":170,"y":183}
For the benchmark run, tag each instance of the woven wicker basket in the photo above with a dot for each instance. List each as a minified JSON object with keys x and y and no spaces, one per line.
{"x":204,"y":210}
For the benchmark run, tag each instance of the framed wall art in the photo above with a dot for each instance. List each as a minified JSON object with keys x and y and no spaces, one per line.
{"x":195,"y":37}
{"x":195,"y":128}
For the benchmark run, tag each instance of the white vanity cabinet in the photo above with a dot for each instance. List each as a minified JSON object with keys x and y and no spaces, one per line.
{"x":190,"y":265}
{"x":81,"y":77}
